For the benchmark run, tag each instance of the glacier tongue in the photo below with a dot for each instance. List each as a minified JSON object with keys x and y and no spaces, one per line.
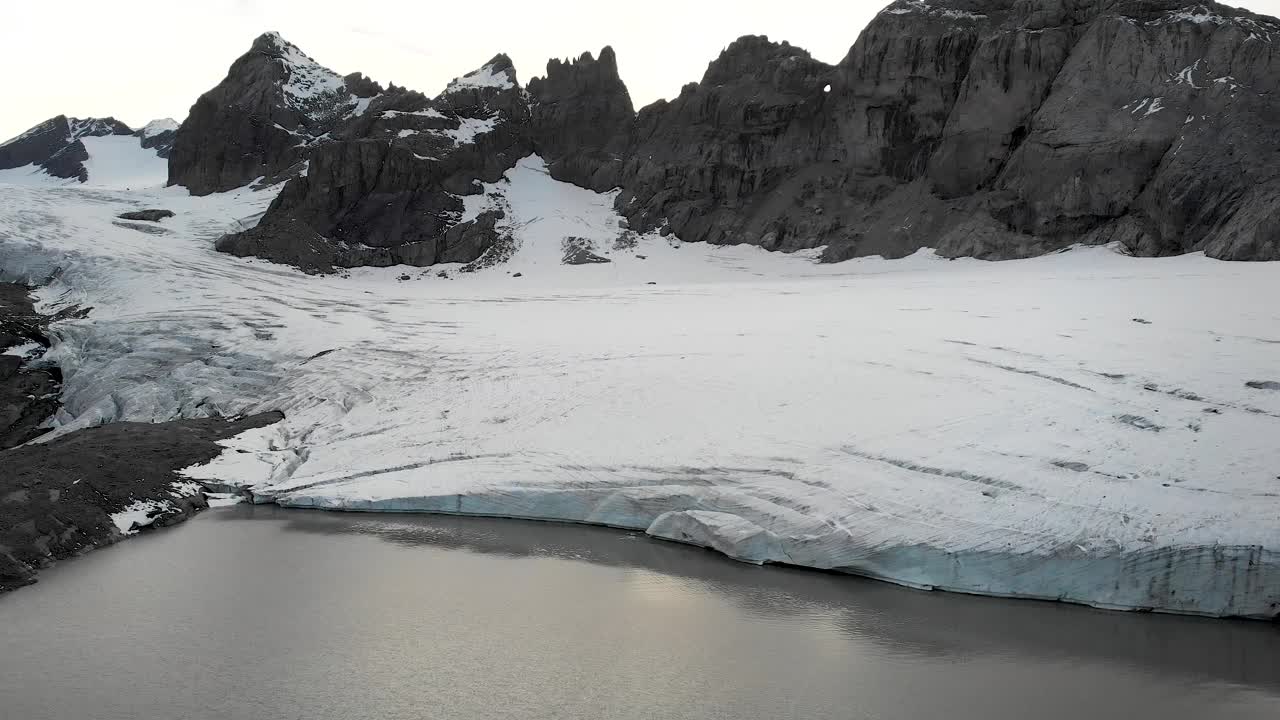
{"x":1083,"y":426}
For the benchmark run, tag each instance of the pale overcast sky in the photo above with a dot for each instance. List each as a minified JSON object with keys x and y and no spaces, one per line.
{"x":144,"y":59}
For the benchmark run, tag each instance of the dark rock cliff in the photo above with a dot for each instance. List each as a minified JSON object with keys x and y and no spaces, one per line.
{"x":273,"y":106}
{"x":387,"y":187}
{"x":736,"y":157}
{"x":580,"y":117}
{"x":29,"y":388}
{"x":988,"y":128}
{"x":993,"y":129}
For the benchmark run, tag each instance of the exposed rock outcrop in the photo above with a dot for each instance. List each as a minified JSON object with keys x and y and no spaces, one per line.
{"x":158,"y":135}
{"x":738,"y":157}
{"x":987,"y":128}
{"x":391,"y":185}
{"x":580,"y":120}
{"x":28,"y":389}
{"x":402,"y":181}
{"x":57,"y":498}
{"x":55,"y":145}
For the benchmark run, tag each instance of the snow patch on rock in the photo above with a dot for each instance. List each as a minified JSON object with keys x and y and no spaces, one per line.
{"x":139,"y":514}
{"x":307,"y":79}
{"x":156,"y":127}
{"x":906,"y":7}
{"x":485,"y":77}
{"x":469,"y":128}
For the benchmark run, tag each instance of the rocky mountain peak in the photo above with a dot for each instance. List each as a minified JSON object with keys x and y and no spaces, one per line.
{"x":499,"y":73}
{"x":307,"y":86}
{"x":96,"y":127}
{"x":581,"y":115}
{"x":270,"y":43}
{"x":750,"y":56}
{"x":275,"y":102}
{"x":53,"y":124}
{"x":157,"y":127}
{"x":583,"y":77}
{"x":361,"y":86}
{"x":158,"y":135}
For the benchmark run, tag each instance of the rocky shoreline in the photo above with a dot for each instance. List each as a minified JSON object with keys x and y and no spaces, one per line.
{"x":58,"y":498}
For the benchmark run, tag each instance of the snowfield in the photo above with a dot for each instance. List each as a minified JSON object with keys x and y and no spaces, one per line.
{"x":1084,"y":426}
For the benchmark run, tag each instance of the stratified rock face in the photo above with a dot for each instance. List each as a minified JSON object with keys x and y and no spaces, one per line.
{"x":987,"y":128}
{"x":402,"y":181}
{"x":158,"y":135}
{"x":735,"y":158}
{"x":389,"y":186}
{"x":996,"y":129}
{"x":274,"y":104}
{"x":36,"y":145}
{"x":580,"y":117}
{"x":54,"y":145}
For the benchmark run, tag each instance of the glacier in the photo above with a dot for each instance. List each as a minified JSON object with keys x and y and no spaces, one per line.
{"x":1084,"y":426}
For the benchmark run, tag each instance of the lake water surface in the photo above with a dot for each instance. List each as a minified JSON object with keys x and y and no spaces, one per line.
{"x":261,"y":612}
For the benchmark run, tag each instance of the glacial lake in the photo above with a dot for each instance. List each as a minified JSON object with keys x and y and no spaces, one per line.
{"x":262,"y":612}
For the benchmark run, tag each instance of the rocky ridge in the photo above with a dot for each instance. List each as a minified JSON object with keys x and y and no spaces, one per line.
{"x":275,"y":105}
{"x":158,"y":135}
{"x":386,"y":187}
{"x":987,"y":128}
{"x":55,"y":145}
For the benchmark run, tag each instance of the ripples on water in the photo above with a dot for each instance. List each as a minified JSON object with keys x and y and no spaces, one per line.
{"x":260,"y":612}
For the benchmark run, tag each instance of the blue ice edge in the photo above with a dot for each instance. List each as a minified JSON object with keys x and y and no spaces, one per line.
{"x":1221,"y":581}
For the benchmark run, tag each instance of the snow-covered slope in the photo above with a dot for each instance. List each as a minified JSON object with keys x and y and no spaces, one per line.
{"x":118,"y":161}
{"x":157,"y":127}
{"x":115,"y":161}
{"x":488,"y":76}
{"x":100,"y":152}
{"x":1083,"y":426}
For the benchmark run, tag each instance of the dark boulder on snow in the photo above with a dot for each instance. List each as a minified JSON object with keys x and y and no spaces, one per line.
{"x":152,"y":215}
{"x":579,"y":251}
